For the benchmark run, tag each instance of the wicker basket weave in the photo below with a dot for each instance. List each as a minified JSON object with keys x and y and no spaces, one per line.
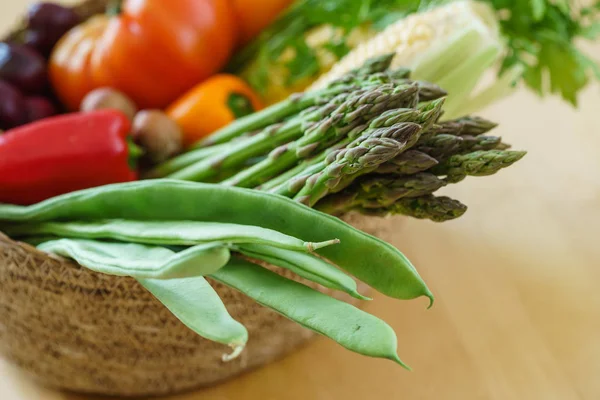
{"x":75,"y":329}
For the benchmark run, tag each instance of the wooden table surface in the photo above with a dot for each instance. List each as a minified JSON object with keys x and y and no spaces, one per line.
{"x":516,"y":280}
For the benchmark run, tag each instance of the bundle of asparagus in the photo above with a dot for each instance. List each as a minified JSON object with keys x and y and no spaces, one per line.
{"x":372,"y":141}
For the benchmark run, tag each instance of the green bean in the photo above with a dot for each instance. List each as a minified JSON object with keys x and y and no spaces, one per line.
{"x":196,"y":304}
{"x":140,"y":261}
{"x":186,"y":233}
{"x":373,"y":261}
{"x":192,"y":300}
{"x":305,"y":265}
{"x":349,"y":326}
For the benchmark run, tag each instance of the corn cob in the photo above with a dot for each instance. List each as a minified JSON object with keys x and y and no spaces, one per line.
{"x":452,"y":45}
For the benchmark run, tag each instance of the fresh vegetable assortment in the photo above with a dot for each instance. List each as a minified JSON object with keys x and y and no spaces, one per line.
{"x":164,"y":213}
{"x":372,"y":141}
{"x":176,"y":91}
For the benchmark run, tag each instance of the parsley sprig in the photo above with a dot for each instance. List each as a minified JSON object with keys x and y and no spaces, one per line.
{"x":541,"y":36}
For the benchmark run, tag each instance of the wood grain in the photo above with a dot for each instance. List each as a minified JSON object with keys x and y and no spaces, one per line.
{"x":517,"y":310}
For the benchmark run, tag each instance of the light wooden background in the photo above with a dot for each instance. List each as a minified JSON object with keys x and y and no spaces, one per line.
{"x":516,"y":279}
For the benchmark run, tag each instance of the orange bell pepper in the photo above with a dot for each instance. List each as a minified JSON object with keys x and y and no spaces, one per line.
{"x":154,"y":51}
{"x":211,"y":105}
{"x":251,"y":21}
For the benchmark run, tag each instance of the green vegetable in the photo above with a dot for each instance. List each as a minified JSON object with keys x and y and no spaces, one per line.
{"x":541,"y":37}
{"x":307,"y":266}
{"x":333,"y":121}
{"x":195,"y":303}
{"x":191,"y":299}
{"x":283,"y":158}
{"x":287,"y":34}
{"x":380,"y":191}
{"x":298,"y":103}
{"x":181,"y":161}
{"x":478,"y":163}
{"x":165,"y":200}
{"x":540,"y":46}
{"x":407,"y":163}
{"x":439,"y":146}
{"x":364,"y":153}
{"x":352,"y":328}
{"x":437,"y":209}
{"x":177,"y":232}
{"x":140,"y":261}
{"x":381,"y":123}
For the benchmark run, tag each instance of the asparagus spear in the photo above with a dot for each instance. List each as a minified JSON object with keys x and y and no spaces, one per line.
{"x":322,"y":137}
{"x":186,"y":159}
{"x":273,"y":184}
{"x":478,"y":163}
{"x":300,"y":101}
{"x":472,"y":126}
{"x":475,"y":143}
{"x":338,"y":118}
{"x":475,"y":125}
{"x":427,"y":114}
{"x":409,"y":162}
{"x":380,"y":192}
{"x":440,"y":146}
{"x":372,"y":66}
{"x":236,"y":152}
{"x":295,"y":181}
{"x":365,"y":153}
{"x":437,"y":209}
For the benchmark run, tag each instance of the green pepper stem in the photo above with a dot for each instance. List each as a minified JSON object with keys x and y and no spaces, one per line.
{"x":113,"y":8}
{"x":135,"y":152}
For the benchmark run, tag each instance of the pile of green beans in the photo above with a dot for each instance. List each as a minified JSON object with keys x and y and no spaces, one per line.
{"x":170,"y":235}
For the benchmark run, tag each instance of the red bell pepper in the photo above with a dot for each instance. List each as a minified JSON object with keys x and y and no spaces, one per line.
{"x":63,"y":154}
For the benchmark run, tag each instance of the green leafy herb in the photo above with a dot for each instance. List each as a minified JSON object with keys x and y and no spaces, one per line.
{"x":540,"y":39}
{"x":287,"y":33}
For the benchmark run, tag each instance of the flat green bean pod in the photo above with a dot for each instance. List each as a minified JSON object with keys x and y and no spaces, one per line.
{"x":347,"y":325}
{"x":192,"y":300}
{"x":181,"y":233}
{"x":141,"y":261}
{"x":195,"y":303}
{"x":373,"y":261}
{"x":305,"y":265}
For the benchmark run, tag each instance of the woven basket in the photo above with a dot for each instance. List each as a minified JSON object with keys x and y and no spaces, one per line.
{"x":71,"y":328}
{"x":74,"y":329}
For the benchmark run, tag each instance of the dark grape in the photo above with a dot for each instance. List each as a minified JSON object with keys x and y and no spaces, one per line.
{"x":38,"y":41}
{"x":22,"y":67}
{"x":12,"y":106}
{"x":47,"y":22}
{"x":51,"y":15}
{"x":38,"y":107}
